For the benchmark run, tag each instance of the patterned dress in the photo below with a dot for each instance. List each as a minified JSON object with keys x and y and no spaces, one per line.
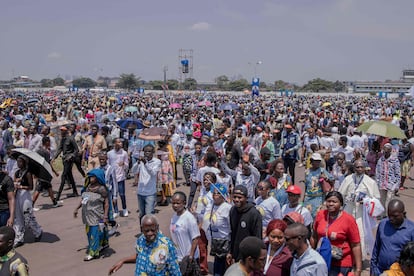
{"x":313,"y":189}
{"x":166,"y":174}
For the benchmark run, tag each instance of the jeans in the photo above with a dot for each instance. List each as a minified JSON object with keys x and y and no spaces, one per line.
{"x":335,"y":270}
{"x":4,"y":216}
{"x":121,"y":192}
{"x":219,"y":266}
{"x":146,"y":204}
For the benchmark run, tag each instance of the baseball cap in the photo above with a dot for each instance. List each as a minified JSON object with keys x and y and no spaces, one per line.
{"x":240,"y":190}
{"x":293,"y":217}
{"x":316,"y":156}
{"x":294,"y":189}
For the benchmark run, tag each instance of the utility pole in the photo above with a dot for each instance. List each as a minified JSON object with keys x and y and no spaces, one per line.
{"x":165,"y":69}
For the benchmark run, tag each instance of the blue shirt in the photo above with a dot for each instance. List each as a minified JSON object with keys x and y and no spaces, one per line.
{"x":389,"y":243}
{"x":158,"y":258}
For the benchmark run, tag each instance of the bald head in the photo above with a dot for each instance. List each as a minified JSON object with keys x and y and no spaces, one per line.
{"x":149,"y":219}
{"x":396,"y":212}
{"x":396,"y":205}
{"x":298,"y":229}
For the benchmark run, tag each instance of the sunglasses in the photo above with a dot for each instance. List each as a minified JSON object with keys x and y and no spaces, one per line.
{"x":291,"y":238}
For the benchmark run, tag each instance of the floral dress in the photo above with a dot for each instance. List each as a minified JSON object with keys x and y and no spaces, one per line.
{"x":313,"y":189}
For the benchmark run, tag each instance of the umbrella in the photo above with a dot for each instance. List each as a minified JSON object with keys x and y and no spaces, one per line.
{"x":326,"y":104}
{"x":61,"y":123}
{"x":175,"y":105}
{"x":127,"y":122}
{"x":153,"y":134}
{"x":38,"y":166}
{"x":32,"y":101}
{"x":382,"y":128}
{"x":228,"y":106}
{"x":204,"y":103}
{"x":131,"y":108}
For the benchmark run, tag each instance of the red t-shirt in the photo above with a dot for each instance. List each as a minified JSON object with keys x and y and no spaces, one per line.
{"x":342,"y":232}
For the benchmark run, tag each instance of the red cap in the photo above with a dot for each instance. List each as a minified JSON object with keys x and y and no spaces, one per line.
{"x":296,"y":217}
{"x":294,"y":189}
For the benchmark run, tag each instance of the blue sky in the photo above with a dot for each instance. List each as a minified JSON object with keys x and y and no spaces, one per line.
{"x":296,"y":40}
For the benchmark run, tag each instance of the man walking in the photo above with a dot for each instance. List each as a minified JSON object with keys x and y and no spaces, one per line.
{"x":118,"y":159}
{"x":148,"y":169}
{"x":69,"y":151}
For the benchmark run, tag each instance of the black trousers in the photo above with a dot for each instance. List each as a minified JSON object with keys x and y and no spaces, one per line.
{"x":290,"y":165}
{"x":67,"y":175}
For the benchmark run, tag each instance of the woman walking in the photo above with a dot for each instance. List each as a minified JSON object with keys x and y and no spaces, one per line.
{"x":23,"y":183}
{"x":95,"y":211}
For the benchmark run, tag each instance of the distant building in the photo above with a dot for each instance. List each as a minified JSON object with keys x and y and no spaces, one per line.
{"x":390,"y":86}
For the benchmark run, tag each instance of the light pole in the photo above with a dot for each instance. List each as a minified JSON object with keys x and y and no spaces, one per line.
{"x":255,"y":68}
{"x":165,"y":69}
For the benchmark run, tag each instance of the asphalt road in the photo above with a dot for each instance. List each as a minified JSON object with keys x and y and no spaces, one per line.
{"x":63,"y":245}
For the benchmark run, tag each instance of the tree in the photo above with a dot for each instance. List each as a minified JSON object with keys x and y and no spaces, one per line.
{"x":222,"y":82}
{"x":190,"y":84}
{"x":239,"y":85}
{"x":84,"y":82}
{"x":58,"y":81}
{"x":128,"y":81}
{"x":46,"y":82}
{"x":318,"y":85}
{"x":280,"y":85}
{"x":103,"y":81}
{"x":338,"y":86}
{"x":156,"y":84}
{"x":173,"y":84}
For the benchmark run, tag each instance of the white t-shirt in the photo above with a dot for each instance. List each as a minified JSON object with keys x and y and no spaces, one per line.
{"x":184,"y":230}
{"x":218,"y":220}
{"x":307,"y":217}
{"x":269,"y":209}
{"x":225,"y":180}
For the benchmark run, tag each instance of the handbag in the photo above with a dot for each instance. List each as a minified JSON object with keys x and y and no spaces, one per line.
{"x":219,"y":247}
{"x":337,"y":253}
{"x":325,"y":184}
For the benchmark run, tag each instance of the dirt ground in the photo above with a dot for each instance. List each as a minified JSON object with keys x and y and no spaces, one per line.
{"x":63,"y":245}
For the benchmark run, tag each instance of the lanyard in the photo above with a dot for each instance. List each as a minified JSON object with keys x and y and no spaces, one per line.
{"x":270,"y":259}
{"x":357,"y":183}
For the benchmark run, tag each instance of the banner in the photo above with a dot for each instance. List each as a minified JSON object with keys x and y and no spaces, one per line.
{"x":255,"y":86}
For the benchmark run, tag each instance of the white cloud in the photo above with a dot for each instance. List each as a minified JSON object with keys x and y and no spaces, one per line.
{"x":54,"y":55}
{"x":200,"y":26}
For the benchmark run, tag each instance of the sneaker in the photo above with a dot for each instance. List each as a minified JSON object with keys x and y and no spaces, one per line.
{"x":18,"y":244}
{"x":35,"y":209}
{"x":37,"y":239}
{"x":57,"y":204}
{"x":113,"y":230}
{"x":88,"y":258}
{"x":125,"y":213}
{"x":116,"y":214}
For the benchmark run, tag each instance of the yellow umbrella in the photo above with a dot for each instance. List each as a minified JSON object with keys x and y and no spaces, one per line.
{"x":326,"y":104}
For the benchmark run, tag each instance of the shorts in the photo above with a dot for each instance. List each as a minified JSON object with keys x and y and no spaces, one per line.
{"x":43,"y":185}
{"x":405,"y":168}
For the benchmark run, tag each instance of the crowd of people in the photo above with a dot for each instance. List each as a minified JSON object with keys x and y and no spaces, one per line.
{"x":246,"y":207}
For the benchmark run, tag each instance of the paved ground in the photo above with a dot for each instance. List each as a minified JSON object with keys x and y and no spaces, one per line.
{"x":63,"y":244}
